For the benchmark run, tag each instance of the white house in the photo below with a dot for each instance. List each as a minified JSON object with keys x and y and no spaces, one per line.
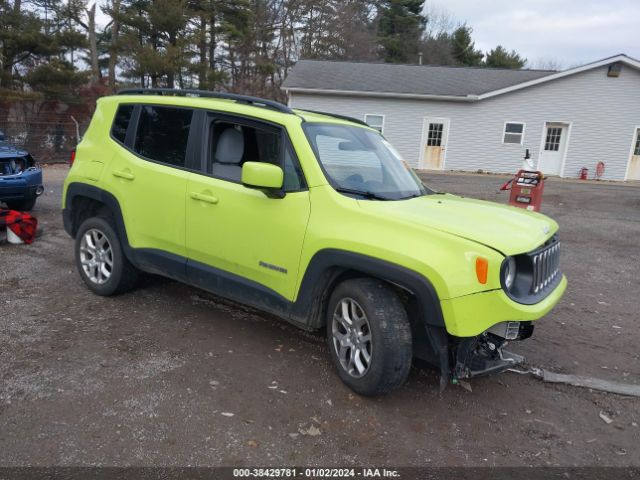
{"x":460,"y":118}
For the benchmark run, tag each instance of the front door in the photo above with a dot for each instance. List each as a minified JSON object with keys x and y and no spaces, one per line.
{"x":553,"y":148}
{"x":434,"y":143}
{"x":237,"y":234}
{"x":634,"y":164}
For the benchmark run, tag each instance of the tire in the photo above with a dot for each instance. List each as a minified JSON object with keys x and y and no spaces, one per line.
{"x":384,"y":336}
{"x":110,"y":273}
{"x":23,"y":205}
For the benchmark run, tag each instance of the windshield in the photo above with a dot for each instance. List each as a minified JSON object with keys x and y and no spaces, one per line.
{"x":358,"y":161}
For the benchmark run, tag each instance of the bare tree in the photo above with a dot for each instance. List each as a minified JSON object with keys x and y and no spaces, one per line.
{"x":546,"y":64}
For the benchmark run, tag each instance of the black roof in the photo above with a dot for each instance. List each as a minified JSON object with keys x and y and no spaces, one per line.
{"x":405,"y":79}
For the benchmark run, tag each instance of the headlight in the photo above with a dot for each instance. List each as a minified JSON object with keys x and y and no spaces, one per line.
{"x":509,"y":272}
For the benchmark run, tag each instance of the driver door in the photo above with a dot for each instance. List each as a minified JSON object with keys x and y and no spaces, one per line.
{"x":237,"y":235}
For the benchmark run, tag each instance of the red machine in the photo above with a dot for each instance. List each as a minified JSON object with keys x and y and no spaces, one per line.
{"x":584,"y":173}
{"x":526,"y":190}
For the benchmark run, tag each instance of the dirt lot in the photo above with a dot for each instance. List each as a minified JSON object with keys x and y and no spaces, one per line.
{"x":168,"y":375}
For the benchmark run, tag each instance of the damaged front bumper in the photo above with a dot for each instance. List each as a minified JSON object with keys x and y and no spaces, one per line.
{"x":466,"y":357}
{"x":485,"y":354}
{"x":478,"y":328}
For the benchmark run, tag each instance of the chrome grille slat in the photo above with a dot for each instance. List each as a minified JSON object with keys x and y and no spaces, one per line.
{"x":546,"y":266}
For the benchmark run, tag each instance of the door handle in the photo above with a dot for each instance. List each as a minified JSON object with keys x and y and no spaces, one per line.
{"x":204,"y":198}
{"x":123,"y":174}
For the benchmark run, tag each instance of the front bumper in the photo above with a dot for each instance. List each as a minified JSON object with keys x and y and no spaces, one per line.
{"x":17,"y":194}
{"x":24,"y":186}
{"x":482,"y":355}
{"x":471,"y":315}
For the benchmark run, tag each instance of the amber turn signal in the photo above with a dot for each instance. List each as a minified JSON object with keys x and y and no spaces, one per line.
{"x":482,"y":269}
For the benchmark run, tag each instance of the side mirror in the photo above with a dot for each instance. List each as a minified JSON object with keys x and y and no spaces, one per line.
{"x":265,"y":176}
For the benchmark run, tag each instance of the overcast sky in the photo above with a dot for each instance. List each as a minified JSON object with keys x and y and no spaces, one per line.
{"x":571,"y":32}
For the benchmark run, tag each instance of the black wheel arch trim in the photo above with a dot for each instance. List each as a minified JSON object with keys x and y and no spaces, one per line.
{"x":328,"y":264}
{"x":325,"y":267}
{"x":77,"y":189}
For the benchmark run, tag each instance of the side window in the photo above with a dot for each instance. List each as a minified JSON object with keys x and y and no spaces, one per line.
{"x":163,"y":133}
{"x":233,"y":144}
{"x":121,"y":122}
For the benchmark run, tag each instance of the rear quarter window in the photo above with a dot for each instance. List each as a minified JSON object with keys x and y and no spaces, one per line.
{"x":163,"y":134}
{"x":121,"y":123}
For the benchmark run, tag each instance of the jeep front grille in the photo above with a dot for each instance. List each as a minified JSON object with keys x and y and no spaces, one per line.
{"x":546,"y":266}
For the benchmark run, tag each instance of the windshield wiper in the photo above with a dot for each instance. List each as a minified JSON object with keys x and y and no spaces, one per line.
{"x":414,"y":195}
{"x":362,"y":193}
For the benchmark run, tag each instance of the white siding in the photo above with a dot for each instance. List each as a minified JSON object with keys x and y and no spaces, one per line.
{"x":603,"y":113}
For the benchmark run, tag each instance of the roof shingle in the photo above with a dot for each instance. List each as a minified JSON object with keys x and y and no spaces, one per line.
{"x":404,"y":79}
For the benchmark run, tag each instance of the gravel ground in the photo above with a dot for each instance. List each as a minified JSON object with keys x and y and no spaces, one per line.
{"x":169,"y":375}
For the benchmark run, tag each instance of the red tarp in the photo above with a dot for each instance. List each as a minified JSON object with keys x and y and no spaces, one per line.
{"x":22,"y":224}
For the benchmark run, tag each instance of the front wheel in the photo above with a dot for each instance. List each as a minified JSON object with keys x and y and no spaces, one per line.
{"x":369,"y":336}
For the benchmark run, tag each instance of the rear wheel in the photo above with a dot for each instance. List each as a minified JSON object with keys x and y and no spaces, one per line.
{"x":101,"y":260}
{"x":22,"y":205}
{"x":369,"y":336}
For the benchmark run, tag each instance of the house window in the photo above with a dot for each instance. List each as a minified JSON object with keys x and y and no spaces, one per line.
{"x":375,"y":121}
{"x":552,"y":142}
{"x":434,"y":137}
{"x":636,"y":151}
{"x":513,"y":132}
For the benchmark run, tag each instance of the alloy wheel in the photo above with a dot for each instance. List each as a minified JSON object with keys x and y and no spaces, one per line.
{"x":352,"y":337}
{"x":96,"y":256}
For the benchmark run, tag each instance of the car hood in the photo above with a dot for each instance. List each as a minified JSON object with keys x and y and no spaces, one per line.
{"x":510,"y":230}
{"x":7,"y":151}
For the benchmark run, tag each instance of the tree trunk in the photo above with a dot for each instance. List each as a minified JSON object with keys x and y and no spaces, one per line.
{"x":171,"y":74}
{"x":212,"y":40}
{"x":202,"y":46}
{"x":113,"y":48}
{"x":93,"y":46}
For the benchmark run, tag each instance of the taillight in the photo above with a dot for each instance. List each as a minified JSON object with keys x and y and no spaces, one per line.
{"x":73,"y":157}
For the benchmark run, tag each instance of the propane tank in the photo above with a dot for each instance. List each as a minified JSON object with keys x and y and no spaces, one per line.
{"x":527,"y":164}
{"x":584,"y":173}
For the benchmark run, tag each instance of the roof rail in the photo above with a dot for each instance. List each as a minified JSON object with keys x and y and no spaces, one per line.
{"x":255,"y":101}
{"x":335,"y":115}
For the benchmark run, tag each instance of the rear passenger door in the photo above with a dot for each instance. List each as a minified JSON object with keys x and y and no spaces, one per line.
{"x":149,"y":178}
{"x":238,"y":236}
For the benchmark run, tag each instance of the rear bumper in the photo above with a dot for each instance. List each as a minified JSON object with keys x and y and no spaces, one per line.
{"x":471,"y":315}
{"x":66,"y":221}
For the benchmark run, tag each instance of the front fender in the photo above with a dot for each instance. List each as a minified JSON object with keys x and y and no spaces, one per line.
{"x":328,"y":264}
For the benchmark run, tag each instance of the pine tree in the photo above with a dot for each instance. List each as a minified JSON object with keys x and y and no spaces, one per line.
{"x":463,"y":47}
{"x":400,"y":29}
{"x":499,"y":57}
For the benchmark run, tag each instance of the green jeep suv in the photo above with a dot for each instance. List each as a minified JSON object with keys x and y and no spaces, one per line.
{"x":312,"y":217}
